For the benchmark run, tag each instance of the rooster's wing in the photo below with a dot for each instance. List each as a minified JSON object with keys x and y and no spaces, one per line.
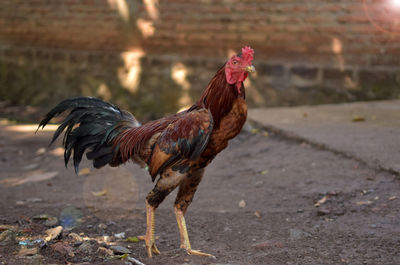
{"x":181,"y":142}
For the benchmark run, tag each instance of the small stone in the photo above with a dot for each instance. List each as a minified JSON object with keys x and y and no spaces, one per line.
{"x":75,"y":237}
{"x":41,"y":217}
{"x":85,"y":248}
{"x":7,"y":236}
{"x":295,"y":234}
{"x":323,"y":211}
{"x":102,"y":251}
{"x":120,"y":235}
{"x":360,"y":203}
{"x":78,"y":243}
{"x":34,"y":200}
{"x":268,"y":244}
{"x":51,"y":221}
{"x":63,"y":248}
{"x":120,"y":250}
{"x":111,"y":223}
{"x":27,"y":251}
{"x":53,"y":233}
{"x":242,"y":204}
{"x":102,"y":226}
{"x":259,"y":183}
{"x":41,"y":151}
{"x":103,"y":244}
{"x":321,"y":201}
{"x":19,"y":203}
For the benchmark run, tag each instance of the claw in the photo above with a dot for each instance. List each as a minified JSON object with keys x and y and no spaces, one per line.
{"x":198,"y":253}
{"x":155,"y":250}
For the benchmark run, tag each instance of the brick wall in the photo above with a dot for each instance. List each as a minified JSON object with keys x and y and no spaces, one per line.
{"x":138,"y":53}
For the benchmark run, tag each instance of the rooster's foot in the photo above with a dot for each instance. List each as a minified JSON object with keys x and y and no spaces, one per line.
{"x":198,"y":253}
{"x":150,"y":246}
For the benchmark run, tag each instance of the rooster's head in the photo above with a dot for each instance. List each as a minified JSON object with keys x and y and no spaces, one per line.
{"x":239,"y":66}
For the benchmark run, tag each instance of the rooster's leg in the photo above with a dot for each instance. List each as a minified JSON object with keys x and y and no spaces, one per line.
{"x":149,"y":237}
{"x":185,"y":243}
{"x":186,"y":192}
{"x":168,"y":181}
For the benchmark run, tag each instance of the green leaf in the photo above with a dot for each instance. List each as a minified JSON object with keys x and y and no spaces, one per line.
{"x":133,"y":239}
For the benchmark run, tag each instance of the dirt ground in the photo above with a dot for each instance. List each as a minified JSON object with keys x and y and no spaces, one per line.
{"x":257,"y":204}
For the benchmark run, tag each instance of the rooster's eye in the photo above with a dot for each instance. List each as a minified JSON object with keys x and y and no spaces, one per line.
{"x":235,"y":62}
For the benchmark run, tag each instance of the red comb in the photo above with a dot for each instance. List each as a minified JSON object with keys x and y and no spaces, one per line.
{"x":247,"y":54}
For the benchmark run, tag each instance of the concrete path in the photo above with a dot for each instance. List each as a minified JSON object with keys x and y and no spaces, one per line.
{"x":367,"y":131}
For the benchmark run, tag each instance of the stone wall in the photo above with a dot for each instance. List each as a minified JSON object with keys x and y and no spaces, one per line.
{"x":155,"y":56}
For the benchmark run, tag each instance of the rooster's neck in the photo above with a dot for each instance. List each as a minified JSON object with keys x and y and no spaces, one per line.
{"x":219,"y":96}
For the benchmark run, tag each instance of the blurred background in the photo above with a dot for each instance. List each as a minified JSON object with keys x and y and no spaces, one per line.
{"x":155,"y":57}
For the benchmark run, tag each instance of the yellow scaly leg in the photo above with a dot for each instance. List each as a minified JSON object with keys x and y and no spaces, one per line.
{"x":149,"y":238}
{"x":185,"y":243}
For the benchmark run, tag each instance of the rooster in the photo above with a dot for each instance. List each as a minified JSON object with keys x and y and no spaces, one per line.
{"x":176,"y":148}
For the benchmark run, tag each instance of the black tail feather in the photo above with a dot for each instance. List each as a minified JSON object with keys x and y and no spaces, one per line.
{"x":91,"y":125}
{"x":93,"y":155}
{"x":76,"y":103}
{"x":102,"y":161}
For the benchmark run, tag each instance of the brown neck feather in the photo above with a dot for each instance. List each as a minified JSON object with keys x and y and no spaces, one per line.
{"x":219,"y":96}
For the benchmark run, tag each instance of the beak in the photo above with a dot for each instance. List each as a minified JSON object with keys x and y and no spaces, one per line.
{"x":251,"y":69}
